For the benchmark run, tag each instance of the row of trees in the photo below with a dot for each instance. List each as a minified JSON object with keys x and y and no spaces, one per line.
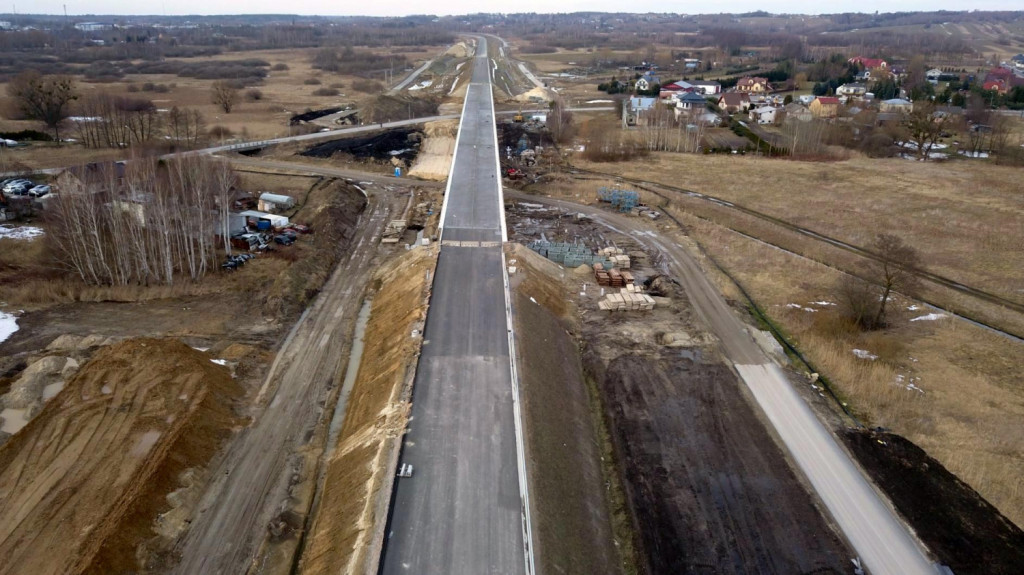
{"x":155,"y":223}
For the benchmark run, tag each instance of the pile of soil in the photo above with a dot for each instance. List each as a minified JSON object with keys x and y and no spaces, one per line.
{"x":401,"y":143}
{"x":81,"y":484}
{"x":966,"y":532}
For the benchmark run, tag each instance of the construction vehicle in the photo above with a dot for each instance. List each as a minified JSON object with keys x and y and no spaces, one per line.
{"x":518,"y":118}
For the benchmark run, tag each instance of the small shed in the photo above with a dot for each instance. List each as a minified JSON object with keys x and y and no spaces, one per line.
{"x":254,"y":218}
{"x":274,"y":202}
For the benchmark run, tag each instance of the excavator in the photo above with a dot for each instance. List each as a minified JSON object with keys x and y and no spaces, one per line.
{"x":518,"y":118}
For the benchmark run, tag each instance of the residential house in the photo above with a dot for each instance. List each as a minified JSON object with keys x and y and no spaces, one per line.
{"x":855,"y":90}
{"x":670,"y":90}
{"x":1018,"y":61}
{"x":691,"y":101}
{"x":896,"y":105}
{"x":806,"y":99}
{"x":707,"y":88}
{"x":691,"y":64}
{"x":635,"y":108}
{"x":797,"y":112}
{"x":764,"y":114}
{"x":868,"y":63}
{"x":732,"y":102}
{"x":824,"y":107}
{"x":933,"y":75}
{"x":752,"y":84}
{"x":759,"y":100}
{"x":647,"y":81}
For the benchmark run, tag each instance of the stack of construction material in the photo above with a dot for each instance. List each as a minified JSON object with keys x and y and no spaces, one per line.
{"x":627,"y":300}
{"x":601,"y":276}
{"x":616,"y":278}
{"x":615,"y":256}
{"x":628,"y":278}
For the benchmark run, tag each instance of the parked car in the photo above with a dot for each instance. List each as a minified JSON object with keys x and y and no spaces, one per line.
{"x":284,"y":240}
{"x":18,"y":187}
{"x":39,"y":191}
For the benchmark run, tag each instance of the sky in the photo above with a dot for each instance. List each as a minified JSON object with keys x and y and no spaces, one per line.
{"x":447,"y":7}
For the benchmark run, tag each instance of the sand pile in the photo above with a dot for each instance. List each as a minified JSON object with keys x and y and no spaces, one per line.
{"x":434,"y":160}
{"x":537,"y":93}
{"x":72,"y":476}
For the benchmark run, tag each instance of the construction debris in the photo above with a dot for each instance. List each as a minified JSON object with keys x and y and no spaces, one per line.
{"x":393,"y":232}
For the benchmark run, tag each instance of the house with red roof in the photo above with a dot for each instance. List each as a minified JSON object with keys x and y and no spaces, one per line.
{"x":868,"y":63}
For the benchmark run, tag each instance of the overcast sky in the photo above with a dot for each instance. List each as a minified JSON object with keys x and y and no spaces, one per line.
{"x":445,"y":7}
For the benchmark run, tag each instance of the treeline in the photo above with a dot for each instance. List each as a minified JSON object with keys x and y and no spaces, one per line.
{"x":107,"y":121}
{"x":154,"y":224}
{"x":350,"y":61}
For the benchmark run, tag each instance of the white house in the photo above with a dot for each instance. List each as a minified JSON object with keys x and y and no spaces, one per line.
{"x":93,"y":26}
{"x":855,"y":90}
{"x":646,"y":81}
{"x":707,"y":88}
{"x":933,"y":75}
{"x":764,"y":114}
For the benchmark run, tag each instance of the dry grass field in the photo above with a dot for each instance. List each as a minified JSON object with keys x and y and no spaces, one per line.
{"x":966,"y":406}
{"x":283,"y":94}
{"x":966,"y":218}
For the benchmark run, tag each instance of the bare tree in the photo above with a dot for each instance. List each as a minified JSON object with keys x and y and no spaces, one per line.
{"x":43,"y":98}
{"x":892,"y":269}
{"x":224,"y":95}
{"x":924,"y":129}
{"x":185,"y":126}
{"x":559,"y":121}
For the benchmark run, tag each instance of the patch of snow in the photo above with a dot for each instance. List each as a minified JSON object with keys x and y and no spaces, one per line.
{"x":8,"y":325}
{"x":220,"y":361}
{"x":533,"y":300}
{"x":600,"y":101}
{"x":145,"y":443}
{"x":822,"y":303}
{"x":200,"y":348}
{"x":51,"y":391}
{"x":105,"y":390}
{"x":85,"y":118}
{"x":914,"y":307}
{"x":421,"y":85}
{"x":929,"y":317}
{"x":12,"y":420}
{"x":20,"y":233}
{"x":864,"y":354}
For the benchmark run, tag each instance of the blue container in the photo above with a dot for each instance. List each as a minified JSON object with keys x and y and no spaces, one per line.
{"x":263,"y":225}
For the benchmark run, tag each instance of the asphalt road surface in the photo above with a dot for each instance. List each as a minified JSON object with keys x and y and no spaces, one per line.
{"x":882,"y":541}
{"x":461,"y":512}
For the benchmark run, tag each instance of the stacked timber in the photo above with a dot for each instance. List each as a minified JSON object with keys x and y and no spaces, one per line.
{"x":627,"y":300}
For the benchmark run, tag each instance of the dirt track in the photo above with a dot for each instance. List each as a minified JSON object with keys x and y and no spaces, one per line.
{"x":254,"y":476}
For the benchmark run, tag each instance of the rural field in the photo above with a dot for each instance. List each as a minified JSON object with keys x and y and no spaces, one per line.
{"x":946,"y":384}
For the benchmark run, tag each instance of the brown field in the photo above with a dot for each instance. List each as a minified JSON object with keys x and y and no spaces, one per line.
{"x":965,"y":218}
{"x":969,"y":412}
{"x":284,"y":95}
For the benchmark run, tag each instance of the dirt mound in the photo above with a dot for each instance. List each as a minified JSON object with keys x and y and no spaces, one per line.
{"x":101,"y":450}
{"x":535,"y":94}
{"x":349,"y":521}
{"x":966,"y":532}
{"x":458,"y":50}
{"x":402,"y":143}
{"x":435,"y":158}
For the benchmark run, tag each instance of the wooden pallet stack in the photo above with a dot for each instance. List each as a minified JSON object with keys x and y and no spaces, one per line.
{"x":615,"y":256}
{"x":628,"y":299}
{"x":602,"y":277}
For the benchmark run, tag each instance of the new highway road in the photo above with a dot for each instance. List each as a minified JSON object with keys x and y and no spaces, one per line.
{"x":462,"y":511}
